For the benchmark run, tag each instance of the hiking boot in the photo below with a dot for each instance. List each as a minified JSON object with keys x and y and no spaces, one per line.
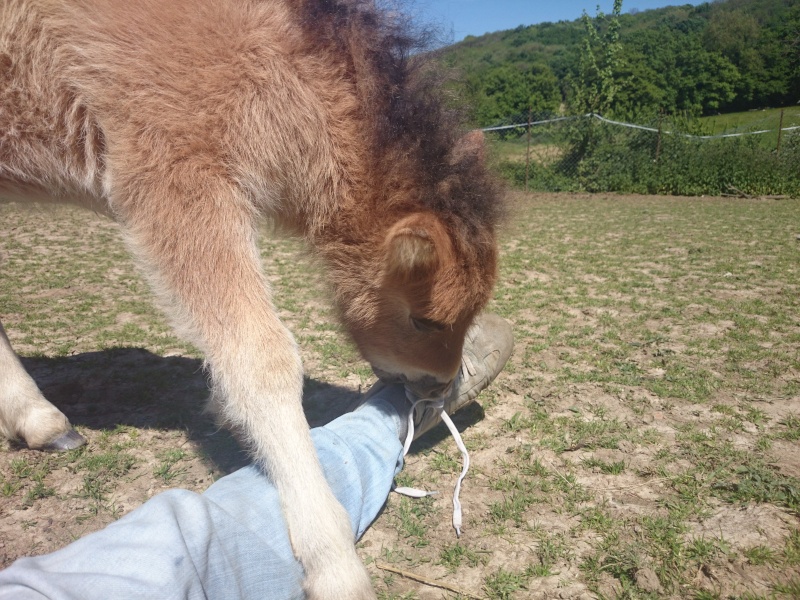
{"x":487,"y":347}
{"x":486,"y":350}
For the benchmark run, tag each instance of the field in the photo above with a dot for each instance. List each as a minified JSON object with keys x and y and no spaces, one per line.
{"x":753,"y":120}
{"x":643,"y":442}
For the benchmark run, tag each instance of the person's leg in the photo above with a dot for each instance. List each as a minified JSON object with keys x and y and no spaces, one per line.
{"x":229,"y":542}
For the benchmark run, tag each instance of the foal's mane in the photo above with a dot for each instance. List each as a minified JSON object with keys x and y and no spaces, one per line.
{"x":413,"y":127}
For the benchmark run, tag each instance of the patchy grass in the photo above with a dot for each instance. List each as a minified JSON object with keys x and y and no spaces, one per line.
{"x":643,"y":441}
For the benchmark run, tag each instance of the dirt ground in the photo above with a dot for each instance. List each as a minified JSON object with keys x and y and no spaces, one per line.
{"x":642,"y":443}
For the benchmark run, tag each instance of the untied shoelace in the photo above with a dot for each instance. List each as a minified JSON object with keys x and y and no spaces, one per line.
{"x":438,"y":404}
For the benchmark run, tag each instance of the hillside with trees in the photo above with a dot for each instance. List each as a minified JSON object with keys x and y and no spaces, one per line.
{"x":728,"y":55}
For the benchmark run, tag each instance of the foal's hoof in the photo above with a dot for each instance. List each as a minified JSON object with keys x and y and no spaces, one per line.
{"x":67,"y":441}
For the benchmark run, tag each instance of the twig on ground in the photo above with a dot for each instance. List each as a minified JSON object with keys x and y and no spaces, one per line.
{"x":426,"y":581}
{"x":739,"y":192}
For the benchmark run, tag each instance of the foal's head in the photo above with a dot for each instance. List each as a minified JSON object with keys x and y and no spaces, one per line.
{"x":410,"y":276}
{"x":432,"y":271}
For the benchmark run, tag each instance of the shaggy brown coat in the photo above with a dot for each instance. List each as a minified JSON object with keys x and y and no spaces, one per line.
{"x":187,"y":121}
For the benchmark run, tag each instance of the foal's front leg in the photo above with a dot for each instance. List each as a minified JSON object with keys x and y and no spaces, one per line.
{"x":204,"y":264}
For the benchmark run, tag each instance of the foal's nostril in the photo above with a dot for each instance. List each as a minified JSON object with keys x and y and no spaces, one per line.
{"x":424,"y":387}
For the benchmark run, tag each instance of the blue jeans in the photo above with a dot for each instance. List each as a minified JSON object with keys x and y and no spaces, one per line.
{"x":229,"y":542}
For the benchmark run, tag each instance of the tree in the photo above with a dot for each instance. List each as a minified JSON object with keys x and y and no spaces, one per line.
{"x":704,"y":81}
{"x":736,"y":36}
{"x":544,"y":95}
{"x":717,"y":56}
{"x":506,"y":92}
{"x":600,"y":62}
{"x":792,"y":52}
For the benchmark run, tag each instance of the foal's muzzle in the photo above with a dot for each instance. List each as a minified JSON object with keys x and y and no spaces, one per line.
{"x":425,"y":387}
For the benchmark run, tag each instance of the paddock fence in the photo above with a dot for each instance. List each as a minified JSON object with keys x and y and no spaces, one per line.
{"x":662,"y":155}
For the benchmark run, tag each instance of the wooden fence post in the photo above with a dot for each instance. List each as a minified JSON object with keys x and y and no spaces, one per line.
{"x":780,"y":132}
{"x":528,"y":151}
{"x":658,"y":142}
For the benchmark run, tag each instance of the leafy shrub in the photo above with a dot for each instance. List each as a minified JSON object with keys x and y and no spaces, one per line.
{"x":541,"y":178}
{"x":599,"y":157}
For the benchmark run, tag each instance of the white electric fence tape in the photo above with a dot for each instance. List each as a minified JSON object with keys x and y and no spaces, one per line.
{"x":634,"y":126}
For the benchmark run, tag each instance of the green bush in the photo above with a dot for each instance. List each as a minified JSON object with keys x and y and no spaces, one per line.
{"x":540,"y":178}
{"x":599,"y":157}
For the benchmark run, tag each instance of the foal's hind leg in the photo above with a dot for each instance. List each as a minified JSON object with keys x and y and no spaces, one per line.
{"x":202,"y":259}
{"x":24,"y":413}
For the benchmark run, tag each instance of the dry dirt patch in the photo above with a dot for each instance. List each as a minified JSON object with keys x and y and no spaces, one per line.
{"x":642,"y":442}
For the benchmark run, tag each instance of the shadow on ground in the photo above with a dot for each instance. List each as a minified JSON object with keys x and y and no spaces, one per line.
{"x":134,"y":387}
{"x":463,"y":419}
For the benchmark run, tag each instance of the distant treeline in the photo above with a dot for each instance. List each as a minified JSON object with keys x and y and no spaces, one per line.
{"x":725,"y":56}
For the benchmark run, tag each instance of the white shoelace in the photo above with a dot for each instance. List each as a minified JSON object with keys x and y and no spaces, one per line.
{"x":438,"y":404}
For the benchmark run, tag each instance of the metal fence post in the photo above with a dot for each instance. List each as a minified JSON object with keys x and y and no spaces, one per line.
{"x":780,"y":132}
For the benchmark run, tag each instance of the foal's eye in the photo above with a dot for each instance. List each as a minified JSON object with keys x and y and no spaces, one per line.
{"x":426,"y":325}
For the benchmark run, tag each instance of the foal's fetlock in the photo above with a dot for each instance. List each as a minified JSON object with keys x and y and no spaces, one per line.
{"x":335,"y":571}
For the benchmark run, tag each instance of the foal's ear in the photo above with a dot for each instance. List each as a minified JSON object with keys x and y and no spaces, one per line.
{"x":470,"y":145}
{"x":414,"y":244}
